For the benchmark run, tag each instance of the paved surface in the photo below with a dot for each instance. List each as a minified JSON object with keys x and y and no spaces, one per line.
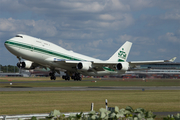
{"x":24,"y":88}
{"x":13,"y":88}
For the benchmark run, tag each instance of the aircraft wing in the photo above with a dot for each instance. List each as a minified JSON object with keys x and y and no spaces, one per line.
{"x":107,"y":65}
{"x":132,"y":63}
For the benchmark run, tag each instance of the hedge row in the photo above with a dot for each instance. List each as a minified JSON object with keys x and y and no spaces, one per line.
{"x":116,"y":114}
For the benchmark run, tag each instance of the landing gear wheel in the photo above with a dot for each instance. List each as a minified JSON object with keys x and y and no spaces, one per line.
{"x":77,"y":77}
{"x":66,"y":77}
{"x":53,"y":77}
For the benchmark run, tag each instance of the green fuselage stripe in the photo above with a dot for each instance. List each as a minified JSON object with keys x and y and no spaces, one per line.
{"x":40,"y":50}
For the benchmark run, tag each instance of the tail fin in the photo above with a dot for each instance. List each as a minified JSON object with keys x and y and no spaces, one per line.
{"x":122,"y":53}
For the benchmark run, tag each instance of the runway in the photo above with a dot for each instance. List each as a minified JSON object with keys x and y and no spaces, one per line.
{"x":14,"y":88}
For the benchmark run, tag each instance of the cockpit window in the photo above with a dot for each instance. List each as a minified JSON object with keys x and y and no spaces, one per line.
{"x":19,"y":36}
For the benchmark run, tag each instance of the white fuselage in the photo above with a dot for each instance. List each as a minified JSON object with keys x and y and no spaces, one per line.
{"x":44,"y":53}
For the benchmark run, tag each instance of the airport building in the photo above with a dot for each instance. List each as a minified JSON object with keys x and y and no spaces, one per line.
{"x":163,"y":66}
{"x":161,"y":70}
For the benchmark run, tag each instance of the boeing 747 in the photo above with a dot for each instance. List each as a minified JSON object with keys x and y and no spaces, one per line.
{"x":37,"y":52}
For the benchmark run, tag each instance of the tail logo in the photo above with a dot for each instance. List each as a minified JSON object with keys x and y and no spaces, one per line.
{"x":122,"y":54}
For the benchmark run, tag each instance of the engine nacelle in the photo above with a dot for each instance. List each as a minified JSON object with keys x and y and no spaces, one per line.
{"x":84,"y":66}
{"x":122,"y":66}
{"x":25,"y":65}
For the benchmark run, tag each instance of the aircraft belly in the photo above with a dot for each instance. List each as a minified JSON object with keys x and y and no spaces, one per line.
{"x":65,"y":67}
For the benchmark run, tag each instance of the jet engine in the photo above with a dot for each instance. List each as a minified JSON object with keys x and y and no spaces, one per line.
{"x":84,"y":66}
{"x":122,"y":66}
{"x":25,"y":65}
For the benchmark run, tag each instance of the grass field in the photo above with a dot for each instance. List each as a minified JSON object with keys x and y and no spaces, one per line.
{"x":76,"y":101}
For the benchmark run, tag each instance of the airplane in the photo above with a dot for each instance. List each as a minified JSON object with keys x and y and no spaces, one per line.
{"x":37,"y":52}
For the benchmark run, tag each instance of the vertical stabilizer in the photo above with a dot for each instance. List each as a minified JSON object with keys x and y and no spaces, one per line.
{"x":122,"y":53}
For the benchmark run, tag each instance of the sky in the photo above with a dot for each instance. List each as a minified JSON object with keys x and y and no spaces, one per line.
{"x":96,"y":28}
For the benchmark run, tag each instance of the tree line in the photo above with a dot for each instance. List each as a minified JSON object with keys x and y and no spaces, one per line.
{"x":8,"y":69}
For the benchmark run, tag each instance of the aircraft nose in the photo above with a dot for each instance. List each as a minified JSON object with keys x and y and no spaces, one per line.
{"x":6,"y":43}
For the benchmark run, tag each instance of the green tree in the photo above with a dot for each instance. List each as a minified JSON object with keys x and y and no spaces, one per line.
{"x":9,"y":68}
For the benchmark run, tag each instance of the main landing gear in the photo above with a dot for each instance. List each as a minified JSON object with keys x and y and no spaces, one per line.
{"x":66,"y":77}
{"x":52,"y":75}
{"x":76,"y":77}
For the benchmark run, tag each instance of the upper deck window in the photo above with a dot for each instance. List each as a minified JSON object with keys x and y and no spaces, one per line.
{"x":19,"y":36}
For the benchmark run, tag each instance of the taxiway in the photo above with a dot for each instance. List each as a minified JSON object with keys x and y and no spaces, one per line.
{"x":14,"y":88}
